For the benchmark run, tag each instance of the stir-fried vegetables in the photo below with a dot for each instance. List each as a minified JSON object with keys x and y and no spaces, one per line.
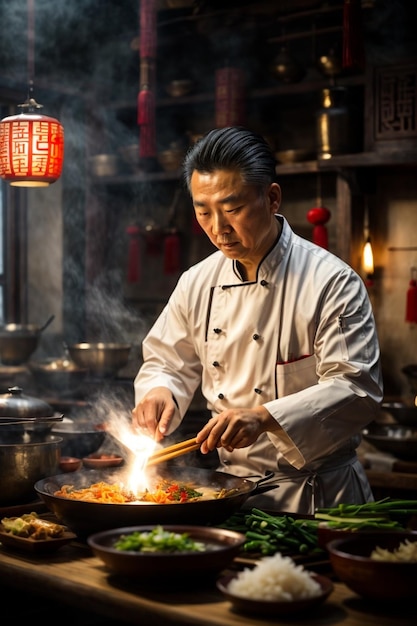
{"x":165,"y":492}
{"x":158,"y":540}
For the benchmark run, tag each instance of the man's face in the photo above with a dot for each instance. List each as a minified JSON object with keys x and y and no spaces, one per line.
{"x":237,"y":218}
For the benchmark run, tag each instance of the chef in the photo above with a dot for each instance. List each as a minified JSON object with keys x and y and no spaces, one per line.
{"x":278,"y":332}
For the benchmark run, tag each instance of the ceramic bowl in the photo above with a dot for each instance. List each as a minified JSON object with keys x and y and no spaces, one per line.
{"x":222,"y":547}
{"x":272,"y":607}
{"x":69,"y":463}
{"x":382,"y":581}
{"x":99,"y":461}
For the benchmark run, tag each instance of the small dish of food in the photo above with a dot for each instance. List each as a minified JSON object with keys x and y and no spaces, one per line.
{"x":32,"y":533}
{"x":156,"y":552}
{"x":276,"y":585}
{"x":98,"y":461}
{"x":69,"y":463}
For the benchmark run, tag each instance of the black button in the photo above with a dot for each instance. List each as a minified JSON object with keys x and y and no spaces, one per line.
{"x":256,"y":336}
{"x":220,"y":396}
{"x":256,"y":390}
{"x":217,"y":330}
{"x":215,"y":364}
{"x":264,"y":283}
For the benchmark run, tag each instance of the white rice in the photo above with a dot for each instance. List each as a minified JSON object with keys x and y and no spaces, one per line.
{"x":276,"y":578}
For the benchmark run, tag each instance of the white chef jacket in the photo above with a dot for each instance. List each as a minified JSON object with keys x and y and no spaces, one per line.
{"x":301,"y":340}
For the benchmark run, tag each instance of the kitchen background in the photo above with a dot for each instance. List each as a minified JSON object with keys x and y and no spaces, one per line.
{"x":102,"y":248}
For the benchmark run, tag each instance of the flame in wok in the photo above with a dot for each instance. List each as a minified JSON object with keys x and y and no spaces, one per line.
{"x":141,"y":446}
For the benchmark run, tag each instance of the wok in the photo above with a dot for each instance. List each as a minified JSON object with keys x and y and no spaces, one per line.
{"x":85,"y":518}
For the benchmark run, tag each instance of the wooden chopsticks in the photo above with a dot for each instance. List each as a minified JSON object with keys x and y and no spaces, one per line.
{"x":171,"y":452}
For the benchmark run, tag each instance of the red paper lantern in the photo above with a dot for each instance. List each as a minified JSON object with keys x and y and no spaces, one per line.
{"x":31,"y":150}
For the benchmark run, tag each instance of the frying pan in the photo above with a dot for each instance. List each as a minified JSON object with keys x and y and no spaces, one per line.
{"x":85,"y":518}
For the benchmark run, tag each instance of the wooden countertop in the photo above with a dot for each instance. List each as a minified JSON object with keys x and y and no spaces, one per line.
{"x":74,"y":577}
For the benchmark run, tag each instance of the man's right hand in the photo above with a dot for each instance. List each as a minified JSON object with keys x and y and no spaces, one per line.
{"x":153,"y":414}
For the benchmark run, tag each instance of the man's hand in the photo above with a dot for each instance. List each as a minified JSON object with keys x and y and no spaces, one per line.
{"x":153,"y":414}
{"x":235,"y":428}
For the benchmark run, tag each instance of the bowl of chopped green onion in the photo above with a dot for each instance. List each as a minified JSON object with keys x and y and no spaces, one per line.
{"x":156,"y":552}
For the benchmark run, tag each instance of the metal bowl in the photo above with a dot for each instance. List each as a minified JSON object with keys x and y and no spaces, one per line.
{"x":398,"y":440}
{"x":403,"y":414}
{"x":101,"y":359}
{"x":61,"y":375}
{"x":79,"y":440}
{"x":18,"y":342}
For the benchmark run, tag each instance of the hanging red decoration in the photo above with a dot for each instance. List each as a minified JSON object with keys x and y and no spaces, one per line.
{"x":31,"y":145}
{"x":411,"y":306}
{"x":353,"y":56}
{"x":133,"y":267}
{"x":146,"y":96}
{"x":31,"y":150}
{"x":172,"y":253}
{"x":230,"y":97}
{"x":319,"y":216}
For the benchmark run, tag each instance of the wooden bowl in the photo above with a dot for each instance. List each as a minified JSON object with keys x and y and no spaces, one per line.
{"x":222,"y":546}
{"x":100,"y":461}
{"x":69,"y":463}
{"x":382,"y":581}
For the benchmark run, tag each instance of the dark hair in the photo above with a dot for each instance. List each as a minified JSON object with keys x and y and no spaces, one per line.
{"x":233,"y":147}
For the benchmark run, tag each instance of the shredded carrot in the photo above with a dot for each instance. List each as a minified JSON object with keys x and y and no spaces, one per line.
{"x":164,"y":493}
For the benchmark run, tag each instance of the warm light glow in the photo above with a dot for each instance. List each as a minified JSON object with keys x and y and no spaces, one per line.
{"x":368,"y":258}
{"x":31,"y":150}
{"x":141,"y":447}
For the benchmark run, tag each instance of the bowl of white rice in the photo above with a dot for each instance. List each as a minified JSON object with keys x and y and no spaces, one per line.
{"x":276,"y":585}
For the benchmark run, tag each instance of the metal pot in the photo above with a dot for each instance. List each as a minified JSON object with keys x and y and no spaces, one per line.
{"x":85,"y":518}
{"x":23,"y":464}
{"x":19,"y":341}
{"x":24,"y":418}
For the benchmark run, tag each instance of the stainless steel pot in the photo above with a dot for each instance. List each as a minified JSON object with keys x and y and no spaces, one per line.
{"x":24,"y":418}
{"x":19,"y":341}
{"x":85,"y":518}
{"x":23,"y":464}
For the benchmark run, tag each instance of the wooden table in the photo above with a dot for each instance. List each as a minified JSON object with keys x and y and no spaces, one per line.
{"x":76,"y":578}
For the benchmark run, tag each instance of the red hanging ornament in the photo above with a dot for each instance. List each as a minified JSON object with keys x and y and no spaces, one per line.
{"x":411,"y":307}
{"x":172,"y":253}
{"x":146,"y":96}
{"x":133,"y":267}
{"x":319,"y":216}
{"x":353,"y":56}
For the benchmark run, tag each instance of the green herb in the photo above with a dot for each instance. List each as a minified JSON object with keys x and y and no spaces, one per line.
{"x":267,"y":534}
{"x":158,"y":540}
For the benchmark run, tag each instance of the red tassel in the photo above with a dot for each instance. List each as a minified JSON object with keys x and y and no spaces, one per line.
{"x":353,"y":56}
{"x":411,"y":309}
{"x":133,"y":268}
{"x":172,"y":254}
{"x":146,"y":107}
{"x":148,"y":32}
{"x":319,"y":216}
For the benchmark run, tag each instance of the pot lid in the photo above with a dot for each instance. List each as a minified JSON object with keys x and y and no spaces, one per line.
{"x":16,"y":404}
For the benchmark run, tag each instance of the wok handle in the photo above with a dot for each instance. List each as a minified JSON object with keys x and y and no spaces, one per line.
{"x":12,"y":421}
{"x":262,"y":485}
